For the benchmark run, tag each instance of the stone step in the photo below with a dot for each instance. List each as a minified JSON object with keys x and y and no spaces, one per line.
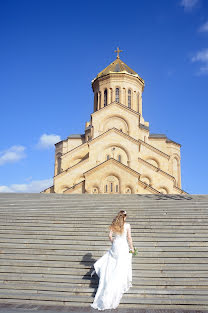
{"x":103,"y":236}
{"x":122,"y":305}
{"x":128,"y":298}
{"x":86,"y":279}
{"x":144,"y":251}
{"x":90,"y":292}
{"x":146,"y":227}
{"x":48,"y":244}
{"x":88,"y":258}
{"x":82,"y":271}
{"x":86,"y":265}
{"x":76,"y":305}
{"x":83,"y":288}
{"x":94,"y":208}
{"x":173,"y":231}
{"x":97,"y":242}
{"x":87,"y":225}
{"x":101,"y":202}
{"x":103,"y":220}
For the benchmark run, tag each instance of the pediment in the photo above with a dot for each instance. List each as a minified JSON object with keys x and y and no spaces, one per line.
{"x":127,"y":137}
{"x":108,"y":164}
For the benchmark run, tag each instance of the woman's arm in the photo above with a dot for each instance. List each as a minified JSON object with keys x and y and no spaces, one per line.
{"x":111,"y":236}
{"x":129,"y":238}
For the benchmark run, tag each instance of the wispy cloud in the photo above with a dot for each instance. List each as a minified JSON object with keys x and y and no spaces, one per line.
{"x":33,"y":186}
{"x":204,"y":27}
{"x":202,"y":57}
{"x":12,"y":155}
{"x":188,"y":5}
{"x":47,"y":141}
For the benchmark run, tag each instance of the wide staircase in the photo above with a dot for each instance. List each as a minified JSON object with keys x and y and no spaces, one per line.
{"x":49,"y":242}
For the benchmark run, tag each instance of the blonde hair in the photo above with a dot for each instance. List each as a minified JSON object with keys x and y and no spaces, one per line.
{"x":117,"y":225}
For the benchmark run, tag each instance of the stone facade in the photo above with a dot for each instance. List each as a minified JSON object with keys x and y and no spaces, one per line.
{"x":117,"y":153}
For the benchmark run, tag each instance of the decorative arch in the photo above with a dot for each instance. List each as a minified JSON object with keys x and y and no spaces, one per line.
{"x":64,"y":187}
{"x":102,"y":154}
{"x":128,"y":190}
{"x":146,"y":179}
{"x":111,"y":183}
{"x":163,"y":189}
{"x":153,"y":161}
{"x":109,"y":122}
{"x":95,"y":189}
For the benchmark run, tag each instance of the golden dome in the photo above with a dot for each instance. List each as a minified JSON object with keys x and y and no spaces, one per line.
{"x":118,"y":66}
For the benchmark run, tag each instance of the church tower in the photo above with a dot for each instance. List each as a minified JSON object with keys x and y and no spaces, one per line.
{"x":117,"y":153}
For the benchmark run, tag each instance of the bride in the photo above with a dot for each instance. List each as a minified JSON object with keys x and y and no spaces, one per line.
{"x":114,"y":268}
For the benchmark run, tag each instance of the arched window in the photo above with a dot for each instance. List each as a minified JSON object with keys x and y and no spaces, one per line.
{"x":117,"y":94}
{"x":105,"y":97}
{"x":129,"y":98}
{"x":106,"y":188}
{"x":119,"y":158}
{"x":116,"y":188}
{"x":111,"y":187}
{"x":59,"y":164}
{"x":96,"y":101}
{"x":108,"y":157}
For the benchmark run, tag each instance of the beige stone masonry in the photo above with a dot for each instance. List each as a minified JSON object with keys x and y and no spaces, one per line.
{"x":116,"y":153}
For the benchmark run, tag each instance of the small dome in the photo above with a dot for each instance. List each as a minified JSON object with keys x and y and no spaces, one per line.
{"x":118,"y":66}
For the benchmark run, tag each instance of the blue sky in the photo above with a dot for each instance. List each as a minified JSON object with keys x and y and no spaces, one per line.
{"x":51,"y":50}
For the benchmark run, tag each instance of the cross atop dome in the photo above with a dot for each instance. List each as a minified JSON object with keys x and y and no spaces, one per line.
{"x":118,"y":51}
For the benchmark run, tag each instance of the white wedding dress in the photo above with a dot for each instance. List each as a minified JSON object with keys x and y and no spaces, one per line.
{"x":114,"y":270}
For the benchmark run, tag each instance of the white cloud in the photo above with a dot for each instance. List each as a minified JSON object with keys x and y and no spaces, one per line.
{"x":204,"y":27}
{"x":202,"y":57}
{"x":48,"y":141}
{"x":13,"y":154}
{"x":189,"y":4}
{"x":33,"y":186}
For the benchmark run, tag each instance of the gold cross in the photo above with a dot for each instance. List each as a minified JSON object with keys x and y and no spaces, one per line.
{"x":118,"y":51}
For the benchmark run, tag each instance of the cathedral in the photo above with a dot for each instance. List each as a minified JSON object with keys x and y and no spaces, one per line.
{"x":117,"y":154}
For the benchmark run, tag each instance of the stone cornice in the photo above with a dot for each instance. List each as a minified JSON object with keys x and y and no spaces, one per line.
{"x":140,"y":141}
{"x":82,"y":145}
{"x":181,"y":190}
{"x":71,"y":167}
{"x":129,"y":76}
{"x":167,"y":140}
{"x":136,"y":141}
{"x":74,"y":186}
{"x":118,"y":104}
{"x":143,"y":184}
{"x":165,"y":174}
{"x":146,"y":186}
{"x":156,"y":169}
{"x":111,"y":160}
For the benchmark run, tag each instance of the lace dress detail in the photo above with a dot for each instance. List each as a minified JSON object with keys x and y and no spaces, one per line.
{"x":114,"y":270}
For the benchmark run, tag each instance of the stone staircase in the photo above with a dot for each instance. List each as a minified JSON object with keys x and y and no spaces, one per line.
{"x":48,"y":243}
